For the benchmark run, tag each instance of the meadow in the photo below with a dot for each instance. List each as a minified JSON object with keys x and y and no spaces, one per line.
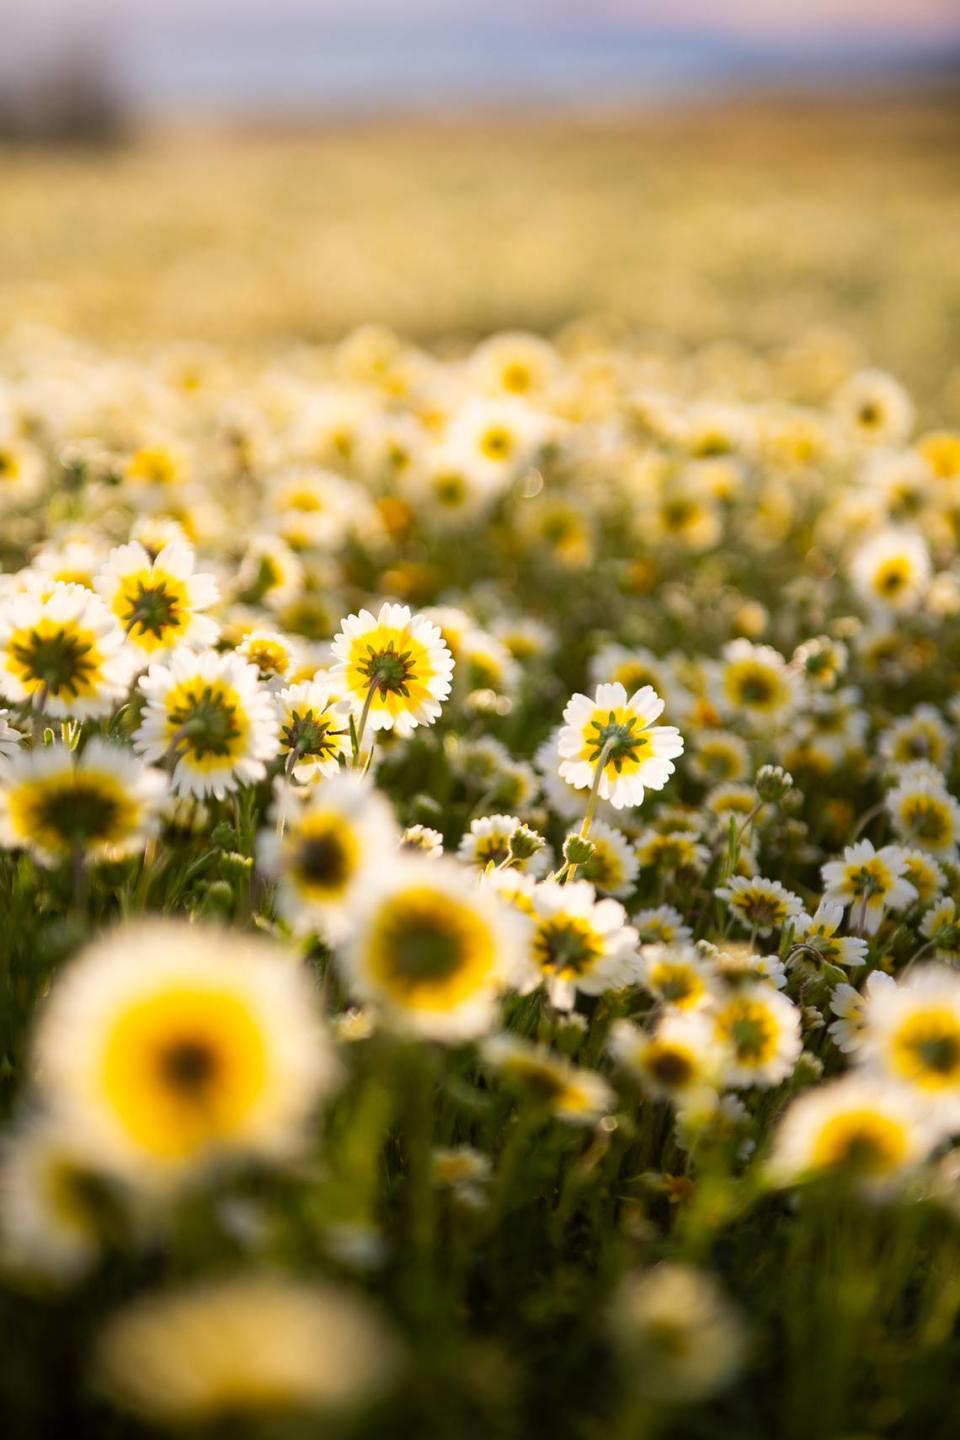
{"x":479,"y":836}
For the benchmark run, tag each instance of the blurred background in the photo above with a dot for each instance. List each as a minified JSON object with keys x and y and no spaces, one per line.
{"x":256,"y":171}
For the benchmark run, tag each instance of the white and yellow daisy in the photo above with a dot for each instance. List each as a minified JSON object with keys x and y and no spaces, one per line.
{"x":677,"y":1060}
{"x":55,"y":1207}
{"x":891,"y":571}
{"x":869,"y":882}
{"x":677,"y":1335}
{"x":923,"y":735}
{"x":159,"y":602}
{"x":760,"y":1028}
{"x":760,"y":905}
{"x":912,"y":1037}
{"x":498,"y":435}
{"x":671,"y":854}
{"x":925,"y":816}
{"x":22,"y":473}
{"x":432,"y":950}
{"x":875,"y":408}
{"x":737,"y":963}
{"x":64,"y":653}
{"x":756,"y":684}
{"x":572,"y":1094}
{"x":514,"y":362}
{"x":818,"y":935}
{"x":613,"y":735}
{"x":677,"y":975}
{"x":207,"y":714}
{"x":394,"y":668}
{"x":168,"y":1047}
{"x":488,"y":841}
{"x":661,"y":925}
{"x":719,"y":757}
{"x":270,"y":574}
{"x":99,"y":804}
{"x":941,"y":928}
{"x":314,"y":732}
{"x":312,"y":508}
{"x":273,"y":654}
{"x":328,"y":846}
{"x":75,"y":561}
{"x":924,"y":875}
{"x":613,"y":867}
{"x":871,"y":1135}
{"x":157,"y":466}
{"x":580,"y":942}
{"x":633,"y":669}
{"x":849,"y":1006}
{"x":424,"y":839}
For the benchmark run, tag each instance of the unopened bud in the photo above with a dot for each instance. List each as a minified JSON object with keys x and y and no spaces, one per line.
{"x":525,"y":842}
{"x":577,"y":850}
{"x":772,"y":783}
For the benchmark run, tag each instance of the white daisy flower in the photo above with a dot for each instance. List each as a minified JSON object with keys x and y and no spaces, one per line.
{"x":849,"y":1006}
{"x":869,"y":882}
{"x":758,"y":904}
{"x":432,"y":950}
{"x":617,"y":731}
{"x":912,"y":1037}
{"x":63,"y":652}
{"x":874,"y":1134}
{"x":580,"y":942}
{"x":159,"y":602}
{"x":818,"y":932}
{"x":329,"y":844}
{"x":393,"y":668}
{"x":314,"y":732}
{"x":891,"y":571}
{"x":209,"y":713}
{"x":761,"y":1029}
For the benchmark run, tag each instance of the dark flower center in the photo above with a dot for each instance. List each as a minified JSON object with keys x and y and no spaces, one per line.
{"x":59,"y":661}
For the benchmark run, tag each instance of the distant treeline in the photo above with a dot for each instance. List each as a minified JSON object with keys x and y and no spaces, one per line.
{"x":74,"y":101}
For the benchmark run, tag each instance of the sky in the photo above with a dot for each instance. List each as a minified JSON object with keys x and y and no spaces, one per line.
{"x":168,"y":56}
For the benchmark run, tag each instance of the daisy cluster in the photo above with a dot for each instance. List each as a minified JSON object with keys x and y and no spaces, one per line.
{"x":479,"y":830}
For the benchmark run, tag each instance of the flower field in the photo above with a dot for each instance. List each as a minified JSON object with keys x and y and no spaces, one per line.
{"x":479,"y":855}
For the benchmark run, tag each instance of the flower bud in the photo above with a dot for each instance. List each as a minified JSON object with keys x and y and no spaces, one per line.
{"x":577,"y":850}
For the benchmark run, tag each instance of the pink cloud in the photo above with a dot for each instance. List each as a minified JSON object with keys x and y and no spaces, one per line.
{"x":783,"y":17}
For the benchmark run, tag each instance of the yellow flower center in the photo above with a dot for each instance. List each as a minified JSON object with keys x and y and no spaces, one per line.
{"x":926,"y":1049}
{"x":325,"y":855}
{"x":863,"y":1140}
{"x":428,"y":951}
{"x":183,"y":1069}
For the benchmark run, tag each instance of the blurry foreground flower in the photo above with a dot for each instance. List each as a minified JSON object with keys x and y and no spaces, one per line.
{"x":230,"y":1348}
{"x":912,"y":1036}
{"x":569,"y":1092}
{"x":328,"y":845}
{"x":433,"y":949}
{"x":677,"y":1336}
{"x":167,"y":1046}
{"x":99,"y":804}
{"x":873,"y":1134}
